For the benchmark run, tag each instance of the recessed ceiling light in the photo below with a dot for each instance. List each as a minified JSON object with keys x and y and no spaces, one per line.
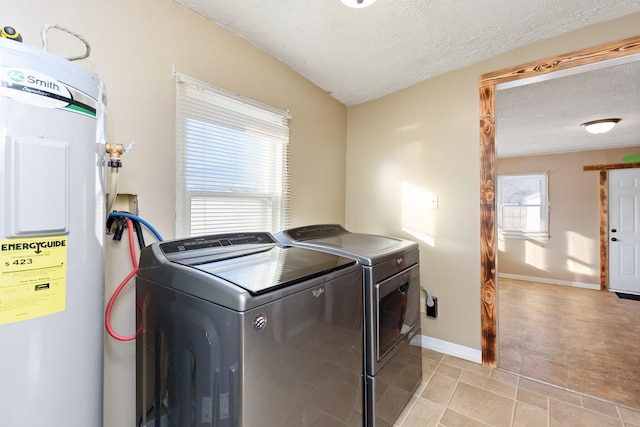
{"x":600,"y":126}
{"x":358,"y":3}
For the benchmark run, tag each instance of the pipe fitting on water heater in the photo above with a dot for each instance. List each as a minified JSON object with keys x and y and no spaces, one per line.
{"x":115,"y":155}
{"x":115,"y":163}
{"x":115,"y":152}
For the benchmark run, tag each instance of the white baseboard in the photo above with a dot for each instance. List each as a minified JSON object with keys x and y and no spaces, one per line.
{"x":550,"y":281}
{"x":451,"y":349}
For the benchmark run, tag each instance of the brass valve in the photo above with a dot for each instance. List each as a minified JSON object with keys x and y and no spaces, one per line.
{"x":115,"y":153}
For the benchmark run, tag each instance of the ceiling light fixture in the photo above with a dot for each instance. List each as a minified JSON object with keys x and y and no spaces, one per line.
{"x":358,"y":3}
{"x":600,"y":126}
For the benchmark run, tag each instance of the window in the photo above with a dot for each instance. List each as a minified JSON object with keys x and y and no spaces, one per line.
{"x":232,"y":162}
{"x":523,"y":205}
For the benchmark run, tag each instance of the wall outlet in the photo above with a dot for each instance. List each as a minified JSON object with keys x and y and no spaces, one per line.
{"x":432,"y":311}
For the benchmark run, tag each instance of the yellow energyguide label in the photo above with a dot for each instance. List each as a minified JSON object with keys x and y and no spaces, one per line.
{"x":33,"y":277}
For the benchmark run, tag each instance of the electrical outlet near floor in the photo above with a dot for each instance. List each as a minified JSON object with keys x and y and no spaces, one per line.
{"x":432,"y":311}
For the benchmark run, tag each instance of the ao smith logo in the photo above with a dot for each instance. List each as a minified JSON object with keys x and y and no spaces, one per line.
{"x":17,"y":76}
{"x":20,"y":77}
{"x":35,"y":246}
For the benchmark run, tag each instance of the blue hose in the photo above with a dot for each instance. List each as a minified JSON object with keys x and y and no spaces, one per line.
{"x":140,"y":220}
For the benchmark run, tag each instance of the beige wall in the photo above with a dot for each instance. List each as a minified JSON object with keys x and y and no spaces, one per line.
{"x":572,"y":253}
{"x":423,"y":140}
{"x":135,"y":46}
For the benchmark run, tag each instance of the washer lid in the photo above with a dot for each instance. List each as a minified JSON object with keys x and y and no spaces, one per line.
{"x":254,"y":262}
{"x":273,"y":268}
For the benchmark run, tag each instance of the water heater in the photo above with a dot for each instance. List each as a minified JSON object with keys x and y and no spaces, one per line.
{"x":51,"y":240}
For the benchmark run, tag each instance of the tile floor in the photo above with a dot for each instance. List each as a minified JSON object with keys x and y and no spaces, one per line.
{"x":459,"y":393}
{"x":581,"y":339}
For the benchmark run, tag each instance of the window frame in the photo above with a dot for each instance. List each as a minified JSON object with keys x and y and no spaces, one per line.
{"x":192,"y":96}
{"x":542,"y":233}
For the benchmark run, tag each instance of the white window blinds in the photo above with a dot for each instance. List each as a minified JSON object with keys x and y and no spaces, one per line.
{"x":232,"y":162}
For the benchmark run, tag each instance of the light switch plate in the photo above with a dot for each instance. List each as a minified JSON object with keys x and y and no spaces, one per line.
{"x":433,"y":201}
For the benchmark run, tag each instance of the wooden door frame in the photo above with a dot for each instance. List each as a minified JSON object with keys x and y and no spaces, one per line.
{"x":604,"y":215}
{"x":487,"y":86}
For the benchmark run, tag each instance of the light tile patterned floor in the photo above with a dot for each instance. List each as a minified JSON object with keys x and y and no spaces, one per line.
{"x":459,"y":393}
{"x":581,"y":339}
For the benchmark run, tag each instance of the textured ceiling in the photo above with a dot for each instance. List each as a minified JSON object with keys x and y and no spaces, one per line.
{"x":362,"y":54}
{"x":545,"y":117}
{"x":358,"y":55}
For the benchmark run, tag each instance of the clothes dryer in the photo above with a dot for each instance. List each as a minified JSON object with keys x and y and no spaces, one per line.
{"x":391,"y":283}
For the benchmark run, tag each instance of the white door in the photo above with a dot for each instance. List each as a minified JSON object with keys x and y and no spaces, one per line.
{"x":624,"y":230}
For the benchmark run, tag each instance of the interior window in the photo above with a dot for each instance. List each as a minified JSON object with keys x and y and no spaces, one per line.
{"x":523,"y":205}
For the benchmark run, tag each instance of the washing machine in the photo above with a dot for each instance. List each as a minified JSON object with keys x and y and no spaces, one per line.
{"x":391,"y":288}
{"x":240,"y":330}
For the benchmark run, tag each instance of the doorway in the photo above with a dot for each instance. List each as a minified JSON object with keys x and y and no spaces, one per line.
{"x":624,"y":232}
{"x":487,"y":87}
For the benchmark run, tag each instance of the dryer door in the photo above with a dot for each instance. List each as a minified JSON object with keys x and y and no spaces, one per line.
{"x":396,"y":315}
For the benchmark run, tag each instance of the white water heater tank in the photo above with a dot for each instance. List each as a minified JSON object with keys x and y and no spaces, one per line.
{"x":51,"y":240}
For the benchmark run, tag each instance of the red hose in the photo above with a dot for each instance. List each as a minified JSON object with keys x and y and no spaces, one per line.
{"x":112,"y":300}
